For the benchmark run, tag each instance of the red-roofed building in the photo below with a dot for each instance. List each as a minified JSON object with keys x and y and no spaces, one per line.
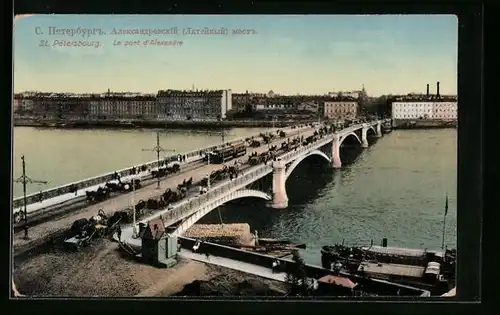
{"x":336,"y":285}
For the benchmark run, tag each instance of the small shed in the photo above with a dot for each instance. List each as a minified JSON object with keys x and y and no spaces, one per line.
{"x":153,"y":230}
{"x":157,"y":247}
{"x":336,"y":285}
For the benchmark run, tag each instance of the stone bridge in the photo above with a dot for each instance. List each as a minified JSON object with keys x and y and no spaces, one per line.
{"x":64,"y":192}
{"x":329,"y":147}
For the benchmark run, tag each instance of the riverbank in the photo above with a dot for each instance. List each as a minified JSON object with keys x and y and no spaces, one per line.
{"x":404,"y":124}
{"x":101,"y":270}
{"x":133,"y":124}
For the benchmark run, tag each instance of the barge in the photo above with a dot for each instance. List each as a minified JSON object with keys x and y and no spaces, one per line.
{"x":429,"y":270}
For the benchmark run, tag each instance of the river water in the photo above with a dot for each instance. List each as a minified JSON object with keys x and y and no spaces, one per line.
{"x":394,"y":189}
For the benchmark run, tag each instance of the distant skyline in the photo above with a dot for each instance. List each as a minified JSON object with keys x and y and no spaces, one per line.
{"x":290,"y":54}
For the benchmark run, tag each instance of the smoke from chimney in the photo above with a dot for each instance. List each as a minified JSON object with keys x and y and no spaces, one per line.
{"x":427,"y":89}
{"x":437,"y":92}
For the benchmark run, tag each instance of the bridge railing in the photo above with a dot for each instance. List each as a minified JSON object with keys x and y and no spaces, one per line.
{"x":101,"y":179}
{"x":292,"y":155}
{"x":189,"y":207}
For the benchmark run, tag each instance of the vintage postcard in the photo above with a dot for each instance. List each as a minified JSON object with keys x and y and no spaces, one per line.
{"x":245,"y":155}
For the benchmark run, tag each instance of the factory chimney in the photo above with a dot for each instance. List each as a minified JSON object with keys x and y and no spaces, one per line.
{"x":437,"y":92}
{"x":427,"y":90}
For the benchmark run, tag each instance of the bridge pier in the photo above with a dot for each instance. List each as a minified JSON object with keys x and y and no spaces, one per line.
{"x":280,"y":198}
{"x":336,"y":162}
{"x":378,"y":129}
{"x":364,"y":140}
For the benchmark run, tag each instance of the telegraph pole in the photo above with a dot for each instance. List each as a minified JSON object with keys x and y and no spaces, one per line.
{"x":158,"y":149}
{"x":24,"y":179}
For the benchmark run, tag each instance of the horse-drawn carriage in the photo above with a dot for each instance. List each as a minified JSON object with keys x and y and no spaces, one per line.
{"x":82,"y":231}
{"x":119,"y":185}
{"x":185,"y":184}
{"x":97,"y":196}
{"x":220,"y":174}
{"x":169,"y":196}
{"x":256,"y":159}
{"x":166,"y":170}
{"x":255,"y":144}
{"x":267,"y":137}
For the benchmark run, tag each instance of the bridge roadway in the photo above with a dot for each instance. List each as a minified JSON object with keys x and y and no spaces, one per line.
{"x":190,"y":210}
{"x":50,"y":207}
{"x":120,"y":202}
{"x":59,"y":195}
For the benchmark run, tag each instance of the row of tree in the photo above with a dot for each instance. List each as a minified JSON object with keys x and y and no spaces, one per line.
{"x":380,"y":106}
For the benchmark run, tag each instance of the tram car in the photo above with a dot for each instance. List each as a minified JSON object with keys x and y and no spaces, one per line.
{"x":225,"y":154}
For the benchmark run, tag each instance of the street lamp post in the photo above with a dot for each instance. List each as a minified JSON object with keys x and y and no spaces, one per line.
{"x":24,"y":179}
{"x":158,"y":149}
{"x":134,"y":227}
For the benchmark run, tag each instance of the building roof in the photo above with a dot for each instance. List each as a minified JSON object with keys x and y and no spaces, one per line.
{"x":154,"y":229}
{"x":191,"y":93}
{"x":392,"y":269}
{"x":337,"y":280}
{"x":425,"y":98}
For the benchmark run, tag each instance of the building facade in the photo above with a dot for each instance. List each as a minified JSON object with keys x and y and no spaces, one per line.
{"x":351,"y":94}
{"x":445,"y":110}
{"x":341,"y":109}
{"x":122,"y":106}
{"x":240,"y":101}
{"x":274,"y":107}
{"x":16,"y":102}
{"x":55,"y":105}
{"x":439,"y":110}
{"x":193,"y":105}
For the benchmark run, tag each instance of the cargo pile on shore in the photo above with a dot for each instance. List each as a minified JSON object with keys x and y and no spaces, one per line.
{"x":235,"y":234}
{"x":226,"y":282}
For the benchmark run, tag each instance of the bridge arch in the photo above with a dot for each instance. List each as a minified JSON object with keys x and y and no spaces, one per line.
{"x":371,"y":131}
{"x":353,"y":135}
{"x":207,"y":208}
{"x":302,"y":158}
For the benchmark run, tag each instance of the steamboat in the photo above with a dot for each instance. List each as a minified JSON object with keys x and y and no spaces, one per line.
{"x":429,"y":270}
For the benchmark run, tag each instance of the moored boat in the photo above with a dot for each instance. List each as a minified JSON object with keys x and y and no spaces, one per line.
{"x":432,"y":270}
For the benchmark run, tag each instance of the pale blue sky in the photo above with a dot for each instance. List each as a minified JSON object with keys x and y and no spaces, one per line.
{"x":290,"y":54}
